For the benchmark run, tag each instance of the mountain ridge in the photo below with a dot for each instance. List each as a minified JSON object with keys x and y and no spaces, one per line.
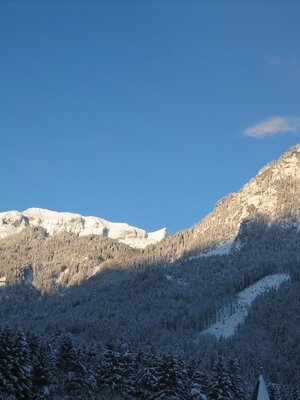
{"x":273,"y":193}
{"x":165,"y":295}
{"x":12,"y":222}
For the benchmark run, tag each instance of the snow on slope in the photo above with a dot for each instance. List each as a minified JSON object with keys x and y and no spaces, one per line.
{"x":228,"y":323}
{"x":53,"y":222}
{"x":219,"y":250}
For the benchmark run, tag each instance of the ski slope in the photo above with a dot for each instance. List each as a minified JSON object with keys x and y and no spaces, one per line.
{"x":229,"y":321}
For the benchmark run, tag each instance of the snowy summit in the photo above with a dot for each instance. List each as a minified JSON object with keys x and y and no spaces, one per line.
{"x":12,"y":222}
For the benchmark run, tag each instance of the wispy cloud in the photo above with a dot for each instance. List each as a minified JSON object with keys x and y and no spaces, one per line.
{"x":272,"y":126}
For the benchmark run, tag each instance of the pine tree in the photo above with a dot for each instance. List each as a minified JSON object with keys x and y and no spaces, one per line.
{"x":21,"y":371}
{"x":6,"y":360}
{"x":51,"y":357}
{"x":110,"y":371}
{"x":295,"y":393}
{"x":41,"y":377}
{"x":171,"y":380}
{"x":89,"y":357}
{"x":145,"y":384}
{"x":128,"y":369}
{"x":198,"y":381}
{"x":219,"y":387}
{"x":67,"y":355}
{"x":72,"y":368}
{"x":34,"y":343}
{"x":274,"y":391}
{"x":76,"y":382}
{"x":236,"y":383}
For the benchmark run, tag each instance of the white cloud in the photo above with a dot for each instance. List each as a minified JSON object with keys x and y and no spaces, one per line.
{"x":272,"y":126}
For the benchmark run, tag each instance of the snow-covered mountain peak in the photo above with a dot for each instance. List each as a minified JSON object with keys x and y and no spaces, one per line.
{"x":274,"y":192}
{"x":54,"y":222}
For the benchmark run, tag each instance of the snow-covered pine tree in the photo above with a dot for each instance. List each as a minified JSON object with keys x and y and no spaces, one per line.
{"x":67,"y":357}
{"x":274,"y":391}
{"x":76,"y":382}
{"x":295,"y":393}
{"x":3,"y":387}
{"x":6,"y":360}
{"x":129,"y":369}
{"x":146,"y":383}
{"x":51,"y":357}
{"x":172,"y":380}
{"x":21,"y":371}
{"x":41,"y":375}
{"x":89,"y":357}
{"x":109,"y":371}
{"x":34,"y":343}
{"x":73,"y":370}
{"x":219,"y":386}
{"x":236,"y":382}
{"x":198,"y":381}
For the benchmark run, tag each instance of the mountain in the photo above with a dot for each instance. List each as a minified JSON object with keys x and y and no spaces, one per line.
{"x":274,"y":192}
{"x":273,"y":195}
{"x":12,"y":222}
{"x":271,"y":198}
{"x":241,"y":263}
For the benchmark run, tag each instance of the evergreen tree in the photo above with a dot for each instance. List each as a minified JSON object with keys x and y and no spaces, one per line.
{"x":6,"y":360}
{"x":41,"y":377}
{"x":295,"y":393}
{"x":219,"y":387}
{"x":236,"y":383}
{"x":51,"y":357}
{"x":34,"y":343}
{"x":128,"y":369}
{"x":171,"y":380}
{"x":67,"y":355}
{"x":198,"y":381}
{"x":274,"y":392}
{"x":77,"y":383}
{"x":146,"y":383}
{"x":89,"y":358}
{"x":72,"y":368}
{"x":111,"y":371}
{"x":21,"y":371}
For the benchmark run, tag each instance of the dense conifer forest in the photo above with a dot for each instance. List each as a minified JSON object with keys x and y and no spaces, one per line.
{"x":54,"y":367}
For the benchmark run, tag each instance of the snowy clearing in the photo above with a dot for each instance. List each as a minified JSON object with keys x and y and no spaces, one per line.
{"x":229,"y":321}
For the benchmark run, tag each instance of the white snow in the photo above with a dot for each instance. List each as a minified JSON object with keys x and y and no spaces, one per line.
{"x":229,"y":322}
{"x":221,"y":249}
{"x":53,"y":222}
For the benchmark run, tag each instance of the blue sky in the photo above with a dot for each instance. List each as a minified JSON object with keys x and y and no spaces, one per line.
{"x":143,"y":111}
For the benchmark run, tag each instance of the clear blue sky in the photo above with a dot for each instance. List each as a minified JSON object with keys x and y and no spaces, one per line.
{"x":136,"y":111}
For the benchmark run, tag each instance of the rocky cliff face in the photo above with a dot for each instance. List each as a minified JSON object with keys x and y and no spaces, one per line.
{"x":12,"y":222}
{"x":274,"y":193}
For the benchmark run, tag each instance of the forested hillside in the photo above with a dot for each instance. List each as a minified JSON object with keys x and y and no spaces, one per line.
{"x":161,"y":299}
{"x":167,"y":306}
